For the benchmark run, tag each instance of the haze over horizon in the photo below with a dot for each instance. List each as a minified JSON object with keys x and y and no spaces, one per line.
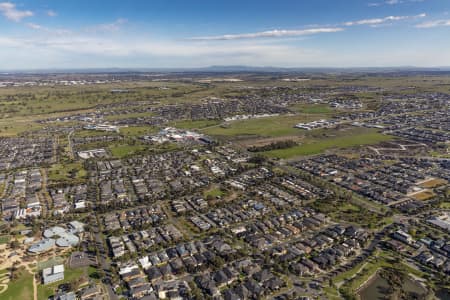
{"x":115,"y":34}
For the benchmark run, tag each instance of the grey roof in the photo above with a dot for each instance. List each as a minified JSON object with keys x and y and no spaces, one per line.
{"x":42,"y":245}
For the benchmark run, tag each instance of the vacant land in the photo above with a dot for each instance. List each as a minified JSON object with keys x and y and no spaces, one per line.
{"x":317,"y":146}
{"x":432,"y":183}
{"x":135,"y":131}
{"x":214,"y":192}
{"x":312,"y":108}
{"x":263,"y":127}
{"x":66,"y":172}
{"x":45,"y":100}
{"x":197,"y":124}
{"x":16,"y":126}
{"x":423,"y":195}
{"x":121,"y":151}
{"x":85,"y":133}
{"x":128,"y":116}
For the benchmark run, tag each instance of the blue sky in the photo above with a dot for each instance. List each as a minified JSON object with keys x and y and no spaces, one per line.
{"x":39,"y":34}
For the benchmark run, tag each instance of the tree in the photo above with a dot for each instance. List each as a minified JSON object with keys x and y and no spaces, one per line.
{"x":14,"y":244}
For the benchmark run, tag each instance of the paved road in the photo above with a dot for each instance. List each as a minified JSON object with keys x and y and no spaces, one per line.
{"x":104,"y":263}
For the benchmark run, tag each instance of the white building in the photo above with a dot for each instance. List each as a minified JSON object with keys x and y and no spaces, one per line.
{"x":53,"y":274}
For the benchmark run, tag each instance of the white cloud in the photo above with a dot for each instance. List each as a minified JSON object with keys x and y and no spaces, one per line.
{"x":393,"y":2}
{"x":9,"y":11}
{"x":44,"y":29}
{"x":433,"y":24}
{"x":377,"y":21}
{"x":8,"y":42}
{"x":267,"y":34}
{"x":303,"y":32}
{"x":51,"y":13}
{"x":108,"y":27}
{"x":183,"y":51}
{"x":34,"y":26}
{"x":91,"y":51}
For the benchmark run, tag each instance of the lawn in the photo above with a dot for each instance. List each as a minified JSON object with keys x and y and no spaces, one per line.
{"x":317,"y":146}
{"x":20,"y":288}
{"x":66,"y":172}
{"x":4,"y":239}
{"x":86,"y":133}
{"x":445,"y":205}
{"x":264,"y":127}
{"x":331,"y":293}
{"x":4,"y":272}
{"x":129,"y":116}
{"x":215,"y":192}
{"x":15,"y":126}
{"x":138,"y":130}
{"x":93,"y":273}
{"x":312,"y":108}
{"x":197,"y":124}
{"x":348,"y":208}
{"x":349,"y":212}
{"x":121,"y":151}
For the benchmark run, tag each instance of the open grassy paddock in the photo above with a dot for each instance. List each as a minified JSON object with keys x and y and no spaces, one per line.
{"x":312,"y":108}
{"x":66,"y":172}
{"x":276,"y":126}
{"x":121,"y":151}
{"x":197,"y":124}
{"x":312,"y":145}
{"x":137,"y":131}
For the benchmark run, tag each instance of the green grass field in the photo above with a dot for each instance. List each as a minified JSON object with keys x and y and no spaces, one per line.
{"x":121,"y":151}
{"x":319,"y":146}
{"x":4,"y":239}
{"x":215,"y":192}
{"x":445,"y":205}
{"x":15,"y":126}
{"x":263,"y":127}
{"x":22,"y":101}
{"x":128,"y":116}
{"x":138,"y":130}
{"x":66,"y":172}
{"x":20,"y":288}
{"x":86,"y":133}
{"x":312,"y":108}
{"x":198,"y":124}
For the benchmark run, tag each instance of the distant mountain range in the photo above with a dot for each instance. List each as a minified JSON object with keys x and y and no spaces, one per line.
{"x":235,"y":69}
